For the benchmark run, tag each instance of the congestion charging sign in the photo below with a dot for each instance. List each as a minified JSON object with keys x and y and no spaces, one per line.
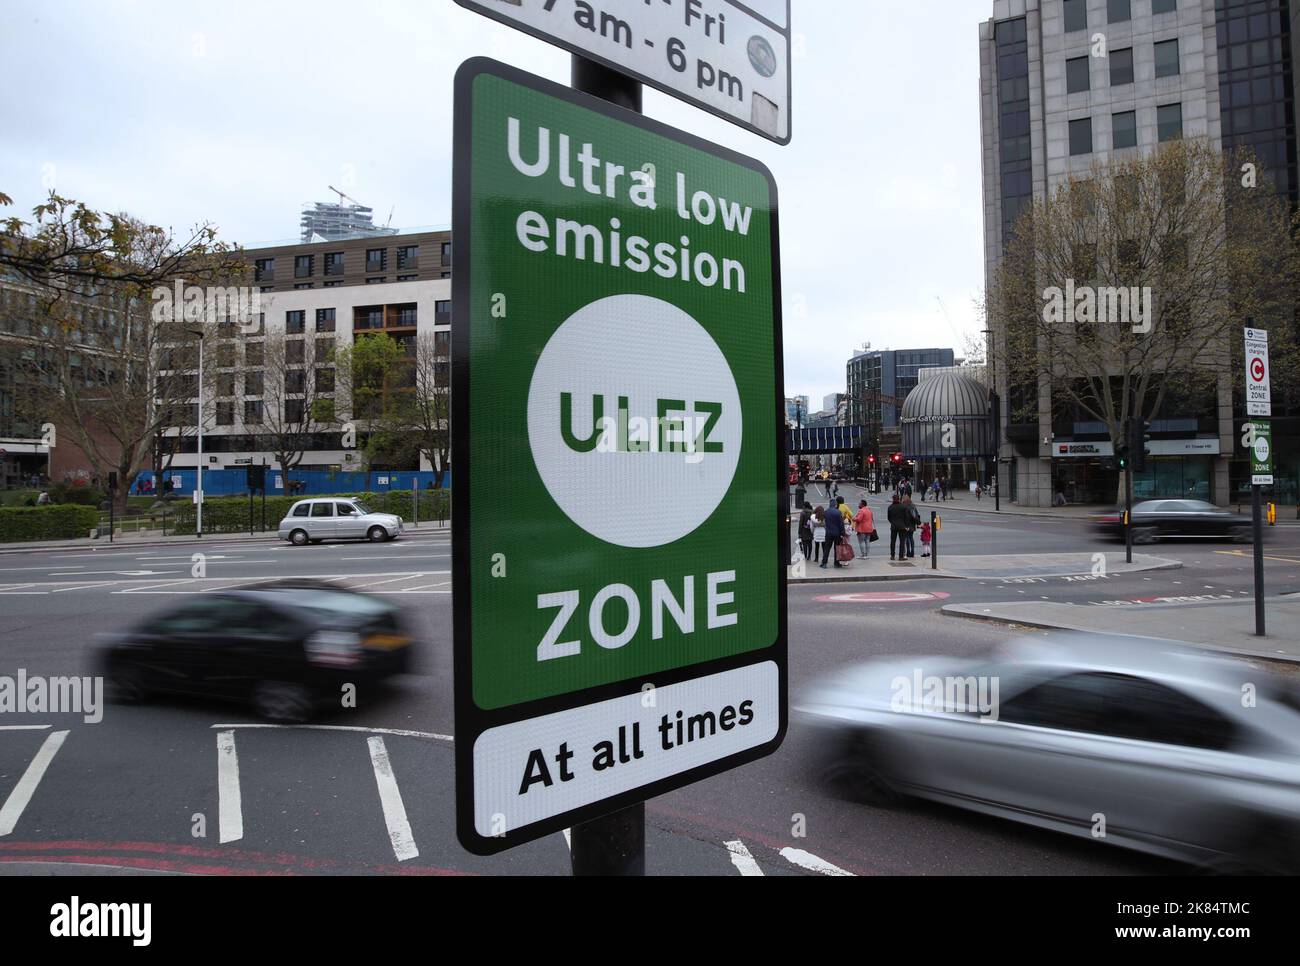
{"x":619,"y":596}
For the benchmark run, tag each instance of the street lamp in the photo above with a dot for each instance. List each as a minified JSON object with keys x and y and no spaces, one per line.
{"x":198,"y":504}
{"x":997,"y":421}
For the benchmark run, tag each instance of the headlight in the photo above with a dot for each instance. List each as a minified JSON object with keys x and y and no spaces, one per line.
{"x":334,"y":648}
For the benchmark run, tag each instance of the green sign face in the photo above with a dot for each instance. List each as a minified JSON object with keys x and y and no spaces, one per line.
{"x":1261,"y":453}
{"x":617,"y":438}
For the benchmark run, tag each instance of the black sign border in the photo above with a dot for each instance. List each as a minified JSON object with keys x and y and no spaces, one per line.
{"x":494,"y":12}
{"x":471,"y":720}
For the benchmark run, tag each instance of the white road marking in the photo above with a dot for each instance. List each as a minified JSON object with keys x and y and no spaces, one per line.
{"x":4,"y":570}
{"x":12,"y":810}
{"x":399,"y":829}
{"x":432,"y":736}
{"x":568,"y":840}
{"x":230,"y":809}
{"x":23,"y":727}
{"x":811,"y":862}
{"x":742,"y":859}
{"x":390,"y":580}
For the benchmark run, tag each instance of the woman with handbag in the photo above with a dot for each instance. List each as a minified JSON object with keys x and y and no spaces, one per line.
{"x":863,"y":524}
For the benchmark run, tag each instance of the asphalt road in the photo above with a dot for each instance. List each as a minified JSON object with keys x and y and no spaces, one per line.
{"x":184,"y":786}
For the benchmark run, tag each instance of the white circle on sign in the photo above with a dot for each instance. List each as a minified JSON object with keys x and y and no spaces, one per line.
{"x":650,"y":472}
{"x":1261,"y":449}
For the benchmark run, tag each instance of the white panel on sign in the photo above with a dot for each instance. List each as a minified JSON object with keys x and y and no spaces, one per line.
{"x":1258,"y":391}
{"x":529,"y":770}
{"x":715,"y":54}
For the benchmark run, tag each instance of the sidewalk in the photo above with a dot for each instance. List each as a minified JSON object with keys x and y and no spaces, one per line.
{"x":1228,"y":626}
{"x":130,"y":542}
{"x":977,"y":567}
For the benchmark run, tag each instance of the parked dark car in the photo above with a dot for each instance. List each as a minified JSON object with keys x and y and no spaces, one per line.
{"x":285,"y":647}
{"x":1155,"y":520}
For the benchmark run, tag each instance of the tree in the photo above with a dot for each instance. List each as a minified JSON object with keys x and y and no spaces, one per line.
{"x":101,"y":361}
{"x":430,"y":404}
{"x":1134,"y":283}
{"x":294,"y":406}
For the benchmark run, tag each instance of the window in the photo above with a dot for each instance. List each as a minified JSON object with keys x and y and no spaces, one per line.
{"x":264,"y":270}
{"x":323,"y":508}
{"x":302,"y":509}
{"x":346,"y":509}
{"x":225,"y":413}
{"x":1081,"y":136}
{"x":324,"y":320}
{"x":376,"y":259}
{"x":295,"y":322}
{"x":1164,"y":6}
{"x":1076,"y":15}
{"x":293,"y":411}
{"x":253,"y":354}
{"x":334,"y":284}
{"x":253,"y":383}
{"x":302,"y":265}
{"x":1124,"y":129}
{"x":1167,"y":58}
{"x":324,"y":380}
{"x":408,"y":256}
{"x":324,"y":350}
{"x":442,"y":311}
{"x":407,"y":278}
{"x":1117,"y":11}
{"x":376,"y":281}
{"x":302,"y":285}
{"x":406,"y":315}
{"x":225,"y":355}
{"x":293,"y":351}
{"x":295,"y":380}
{"x":253,"y":412}
{"x":446,"y":254}
{"x":1076,"y":74}
{"x":1121,"y":67}
{"x":226,"y":384}
{"x":370,"y":317}
{"x":1169,"y":122}
{"x":333,"y":263}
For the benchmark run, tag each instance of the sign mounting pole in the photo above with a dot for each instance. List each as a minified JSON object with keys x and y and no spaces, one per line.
{"x":613,"y":844}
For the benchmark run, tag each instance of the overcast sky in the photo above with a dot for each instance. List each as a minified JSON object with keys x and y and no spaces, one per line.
{"x":236,"y":113}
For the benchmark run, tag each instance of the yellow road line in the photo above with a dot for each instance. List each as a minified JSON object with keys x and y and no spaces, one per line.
{"x":1242,"y":553}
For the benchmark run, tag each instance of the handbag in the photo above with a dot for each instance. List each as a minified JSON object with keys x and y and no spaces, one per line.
{"x":844,"y":551}
{"x":874,"y":536}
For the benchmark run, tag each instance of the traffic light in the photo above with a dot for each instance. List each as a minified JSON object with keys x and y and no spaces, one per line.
{"x":256,"y":477}
{"x":1137,"y":443}
{"x":897,"y":458}
{"x":872,"y":459}
{"x":1121,"y":454}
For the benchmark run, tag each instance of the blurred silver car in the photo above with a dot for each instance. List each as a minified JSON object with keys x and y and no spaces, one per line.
{"x":1139,"y":743}
{"x":334,"y":518}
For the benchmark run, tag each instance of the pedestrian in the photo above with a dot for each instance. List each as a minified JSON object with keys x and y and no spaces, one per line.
{"x":819,"y":532}
{"x":925,"y":539}
{"x":806,"y":531}
{"x":43,"y":499}
{"x":834,"y":531}
{"x":845,"y":512}
{"x":897,"y":517}
{"x":936,"y":489}
{"x":979,"y":492}
{"x":923,"y":490}
{"x":943,"y":487}
{"x":864,"y":525}
{"x":913,"y":521}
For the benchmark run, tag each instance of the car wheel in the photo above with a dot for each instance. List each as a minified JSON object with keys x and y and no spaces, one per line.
{"x":851,"y":771}
{"x":298,"y":538}
{"x":1146,"y":535}
{"x":377,"y":534}
{"x":126,"y":684}
{"x":1242,"y":534}
{"x":282,"y":701}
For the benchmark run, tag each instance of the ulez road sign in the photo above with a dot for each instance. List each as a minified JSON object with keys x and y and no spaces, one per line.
{"x":729,"y":57}
{"x":620,"y":617}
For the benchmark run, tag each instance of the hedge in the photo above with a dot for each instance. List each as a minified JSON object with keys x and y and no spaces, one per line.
{"x":230,"y":514}
{"x":56,"y":521}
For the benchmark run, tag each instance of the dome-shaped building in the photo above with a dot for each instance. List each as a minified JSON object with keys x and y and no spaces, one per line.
{"x":947,"y":426}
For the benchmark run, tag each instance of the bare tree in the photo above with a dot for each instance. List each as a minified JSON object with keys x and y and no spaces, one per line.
{"x":430,"y":404}
{"x":294,"y":407}
{"x":1135,"y":282}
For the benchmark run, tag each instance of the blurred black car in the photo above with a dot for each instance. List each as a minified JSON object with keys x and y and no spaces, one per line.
{"x":285,"y":647}
{"x":1155,"y":520}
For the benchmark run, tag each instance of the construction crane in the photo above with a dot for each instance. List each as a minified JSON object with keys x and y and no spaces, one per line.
{"x":342,"y":196}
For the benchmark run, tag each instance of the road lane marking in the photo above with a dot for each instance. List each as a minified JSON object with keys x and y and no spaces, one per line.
{"x":1242,"y":553}
{"x":400,"y":732}
{"x":23,"y":727}
{"x":22,"y":793}
{"x":811,"y":862}
{"x":230,"y":809}
{"x":742,"y":859}
{"x":399,"y":829}
{"x":390,"y":580}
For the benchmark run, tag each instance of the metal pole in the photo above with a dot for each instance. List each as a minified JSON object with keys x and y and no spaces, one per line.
{"x":198,"y":511}
{"x":1128,"y":511}
{"x":415,"y":501}
{"x":263,"y":494}
{"x":934,"y":540}
{"x":1258,"y":528}
{"x":250,"y":507}
{"x":613,"y":844}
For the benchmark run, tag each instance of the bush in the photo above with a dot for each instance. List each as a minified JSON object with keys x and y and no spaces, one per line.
{"x":230,"y":514}
{"x":52,"y":522}
{"x":79,"y":493}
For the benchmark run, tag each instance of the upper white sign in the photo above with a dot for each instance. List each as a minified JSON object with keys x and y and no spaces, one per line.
{"x":730,"y":58}
{"x":1258,"y":395}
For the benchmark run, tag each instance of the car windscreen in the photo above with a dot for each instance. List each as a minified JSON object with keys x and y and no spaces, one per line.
{"x":327,"y":604}
{"x":361,"y":507}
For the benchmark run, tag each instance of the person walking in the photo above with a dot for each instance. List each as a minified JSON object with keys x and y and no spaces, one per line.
{"x":925,"y":539}
{"x":834,"y":531}
{"x":897,"y":517}
{"x":913,"y":521}
{"x":863,"y":524}
{"x":806,"y":531}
